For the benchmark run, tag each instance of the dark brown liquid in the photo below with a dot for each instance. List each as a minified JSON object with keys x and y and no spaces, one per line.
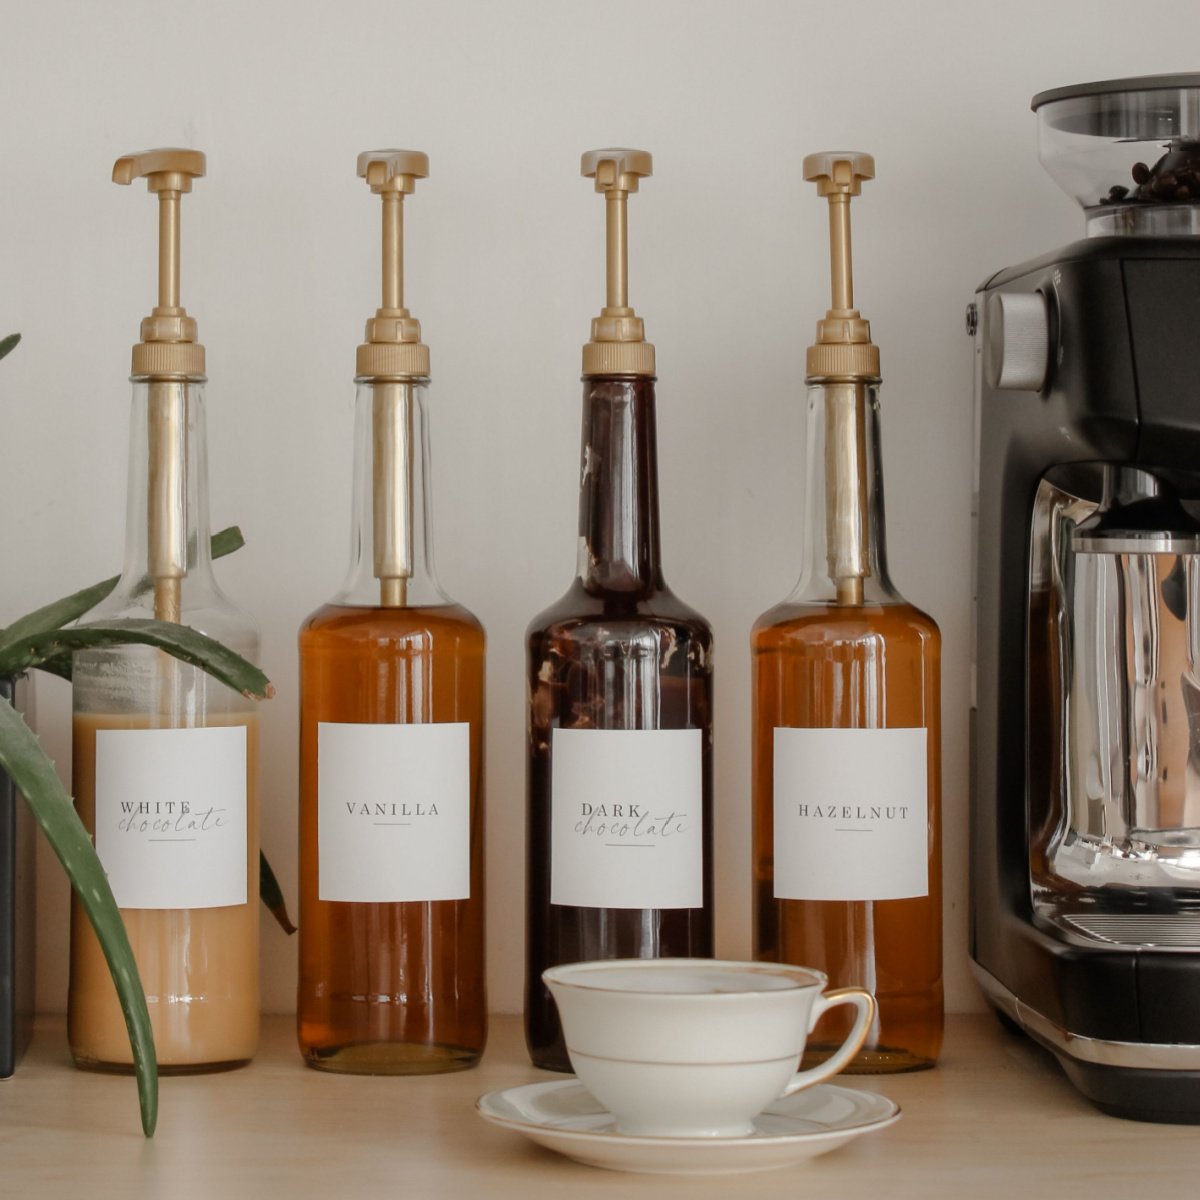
{"x":390,"y":989}
{"x":875,"y":666}
{"x":618,"y":651}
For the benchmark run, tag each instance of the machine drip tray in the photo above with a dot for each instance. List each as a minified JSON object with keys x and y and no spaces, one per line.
{"x":1151,"y":930}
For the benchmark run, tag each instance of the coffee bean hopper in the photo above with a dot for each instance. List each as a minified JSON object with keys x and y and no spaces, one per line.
{"x":1085,"y":838}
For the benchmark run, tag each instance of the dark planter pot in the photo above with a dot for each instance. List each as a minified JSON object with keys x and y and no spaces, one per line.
{"x":17,"y":901}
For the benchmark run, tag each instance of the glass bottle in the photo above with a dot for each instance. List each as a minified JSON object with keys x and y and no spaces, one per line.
{"x":620,"y":690}
{"x":391,"y":740}
{"x":165,"y":757}
{"x":846,"y":750}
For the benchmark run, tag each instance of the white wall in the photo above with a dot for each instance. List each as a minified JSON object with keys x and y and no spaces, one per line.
{"x":504,"y":270}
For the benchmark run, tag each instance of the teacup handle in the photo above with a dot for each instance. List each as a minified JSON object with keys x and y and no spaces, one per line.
{"x":865,"y":1003}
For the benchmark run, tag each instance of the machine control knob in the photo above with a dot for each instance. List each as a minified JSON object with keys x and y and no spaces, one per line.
{"x":1018,"y":341}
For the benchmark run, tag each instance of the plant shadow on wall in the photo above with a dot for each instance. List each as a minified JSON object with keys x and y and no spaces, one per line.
{"x":45,"y":640}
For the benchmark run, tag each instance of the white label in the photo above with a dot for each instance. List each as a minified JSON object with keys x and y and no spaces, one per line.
{"x":851,"y":814}
{"x":171,"y":816}
{"x":393,"y":812}
{"x":626,"y":821}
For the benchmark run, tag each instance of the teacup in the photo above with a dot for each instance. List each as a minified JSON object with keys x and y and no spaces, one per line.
{"x":693,"y":1047}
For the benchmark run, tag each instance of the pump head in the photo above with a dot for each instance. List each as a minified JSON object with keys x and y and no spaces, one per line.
{"x":843,"y":348}
{"x":618,"y":345}
{"x":393,"y":347}
{"x":168,"y":348}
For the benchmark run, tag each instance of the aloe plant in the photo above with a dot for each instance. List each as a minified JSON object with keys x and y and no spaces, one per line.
{"x":44,"y":640}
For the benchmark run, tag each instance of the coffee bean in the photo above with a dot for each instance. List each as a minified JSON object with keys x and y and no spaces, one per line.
{"x":1173,"y":179}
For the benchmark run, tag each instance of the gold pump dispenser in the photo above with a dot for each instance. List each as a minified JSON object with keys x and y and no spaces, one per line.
{"x":618,"y":345}
{"x":169,"y":357}
{"x":843,"y":349}
{"x":168,"y":347}
{"x":842,"y":362}
{"x":392,"y":357}
{"x":393,"y":347}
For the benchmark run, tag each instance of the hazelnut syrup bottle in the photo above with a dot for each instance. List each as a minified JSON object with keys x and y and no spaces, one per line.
{"x":620,"y":689}
{"x":391,"y":739}
{"x":165,"y":757}
{"x":847,"y":843}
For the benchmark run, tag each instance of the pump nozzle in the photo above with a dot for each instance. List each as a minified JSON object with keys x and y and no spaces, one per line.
{"x":842,"y":363}
{"x":843,"y":349}
{"x":392,"y":357}
{"x":168,"y":346}
{"x":393,"y":339}
{"x":170,"y":358}
{"x":618,"y":345}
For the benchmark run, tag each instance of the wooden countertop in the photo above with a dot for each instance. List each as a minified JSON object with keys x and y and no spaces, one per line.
{"x":996,"y":1118}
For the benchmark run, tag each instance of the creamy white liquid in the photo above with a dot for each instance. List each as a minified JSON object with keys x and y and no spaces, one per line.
{"x":198,"y":967}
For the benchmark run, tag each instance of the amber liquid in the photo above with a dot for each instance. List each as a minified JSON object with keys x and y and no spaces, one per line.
{"x":198,"y":967}
{"x":390,"y":989}
{"x":618,"y":651}
{"x":874,"y":666}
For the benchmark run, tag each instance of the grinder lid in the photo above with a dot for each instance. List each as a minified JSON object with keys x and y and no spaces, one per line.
{"x":1108,"y":87}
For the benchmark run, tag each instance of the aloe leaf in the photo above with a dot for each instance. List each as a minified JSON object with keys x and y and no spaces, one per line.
{"x":271,"y":894}
{"x":226,"y":542}
{"x":33,"y":773}
{"x":71,"y":608}
{"x":180,"y":641}
{"x":9,"y":343}
{"x":51,"y":616}
{"x":59,"y":665}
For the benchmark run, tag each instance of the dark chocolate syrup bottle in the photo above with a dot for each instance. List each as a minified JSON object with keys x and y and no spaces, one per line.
{"x":620,"y":690}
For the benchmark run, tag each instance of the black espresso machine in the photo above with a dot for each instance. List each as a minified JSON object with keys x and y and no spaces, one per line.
{"x":1085,"y":823}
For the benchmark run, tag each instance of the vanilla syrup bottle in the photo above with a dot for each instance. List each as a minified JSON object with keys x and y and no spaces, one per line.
{"x":165,"y":771}
{"x":620,"y":688}
{"x":391,"y":739}
{"x":846,"y":750}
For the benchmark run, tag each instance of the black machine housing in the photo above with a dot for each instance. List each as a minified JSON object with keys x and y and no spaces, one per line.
{"x":1123,"y":386}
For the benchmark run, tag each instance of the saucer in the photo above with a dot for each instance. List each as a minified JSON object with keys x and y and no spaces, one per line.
{"x":563,"y":1116}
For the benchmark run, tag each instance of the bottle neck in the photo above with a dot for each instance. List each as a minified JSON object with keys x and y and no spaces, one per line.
{"x":391,"y":534}
{"x":618,"y":490}
{"x":845,"y":552}
{"x":168,"y":560}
